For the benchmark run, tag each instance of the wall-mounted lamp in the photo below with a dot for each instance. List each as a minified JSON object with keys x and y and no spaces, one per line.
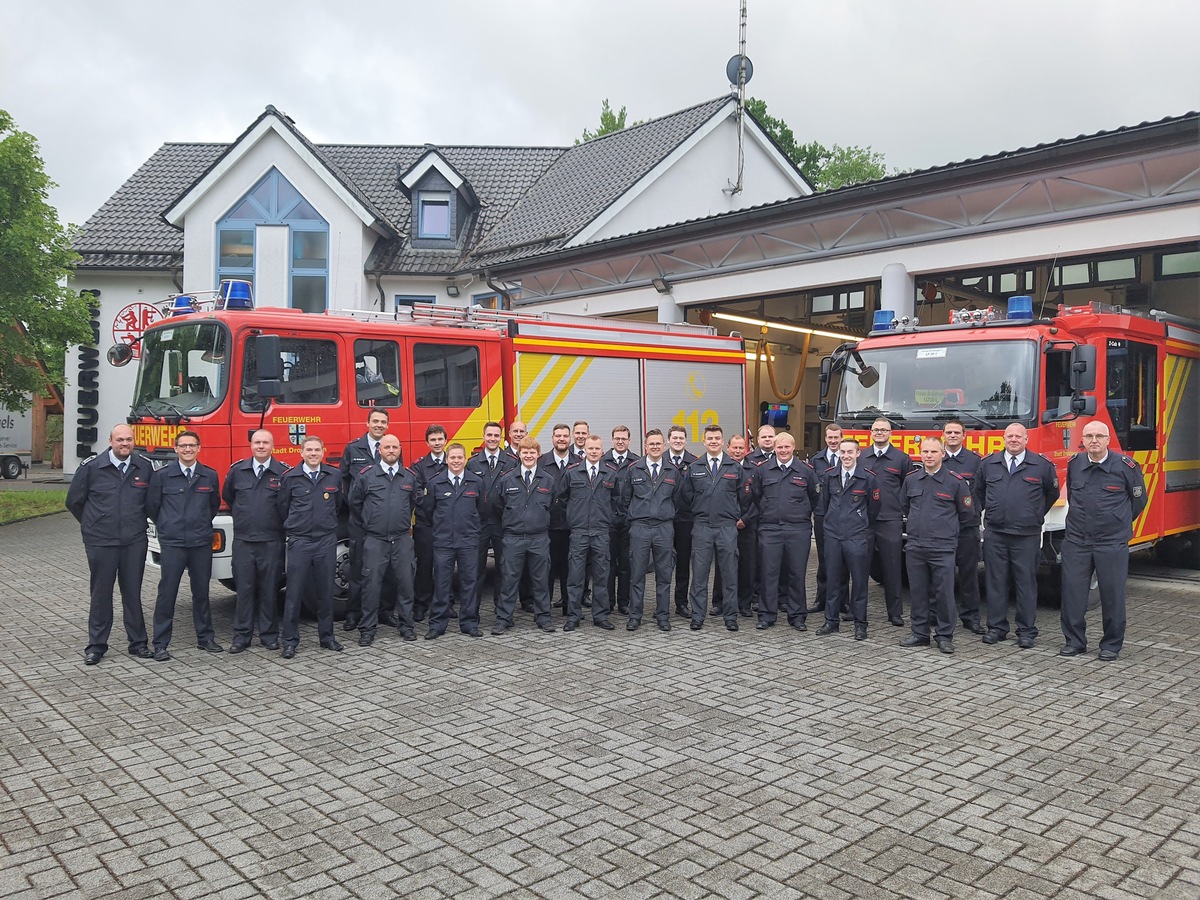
{"x":660,"y":285}
{"x":783,"y":326}
{"x":452,"y":289}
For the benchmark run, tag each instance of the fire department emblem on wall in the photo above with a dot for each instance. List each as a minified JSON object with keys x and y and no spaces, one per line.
{"x":297,"y":433}
{"x":131,"y":322}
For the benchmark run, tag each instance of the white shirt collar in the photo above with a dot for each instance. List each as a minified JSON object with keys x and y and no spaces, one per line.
{"x":112,"y":458}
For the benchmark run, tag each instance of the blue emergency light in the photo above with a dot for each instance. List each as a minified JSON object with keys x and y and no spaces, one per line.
{"x":884,"y":320}
{"x":1020,"y":307}
{"x":237,"y":294}
{"x":183,"y":306}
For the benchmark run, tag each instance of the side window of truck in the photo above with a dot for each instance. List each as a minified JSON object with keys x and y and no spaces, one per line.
{"x":310,"y":373}
{"x":446,"y":375}
{"x":377,"y":373}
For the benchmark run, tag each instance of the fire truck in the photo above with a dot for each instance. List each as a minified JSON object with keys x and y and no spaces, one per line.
{"x":221,"y":367}
{"x":1137,"y":373}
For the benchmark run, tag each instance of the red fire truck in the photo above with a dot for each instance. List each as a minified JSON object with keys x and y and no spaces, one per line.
{"x":1140,"y":374}
{"x":223,"y":368}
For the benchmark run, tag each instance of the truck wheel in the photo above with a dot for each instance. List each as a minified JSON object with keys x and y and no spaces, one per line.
{"x":229,"y":584}
{"x":10,"y":467}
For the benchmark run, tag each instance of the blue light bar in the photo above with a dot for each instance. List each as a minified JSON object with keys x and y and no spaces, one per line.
{"x":237,"y":294}
{"x":182,"y":306}
{"x":1020,"y":307}
{"x":883,"y":320}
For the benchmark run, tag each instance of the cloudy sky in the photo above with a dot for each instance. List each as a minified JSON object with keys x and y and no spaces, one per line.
{"x":102,"y":85}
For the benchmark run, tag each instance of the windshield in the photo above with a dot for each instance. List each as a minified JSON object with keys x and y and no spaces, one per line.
{"x":183,"y":372}
{"x":982,"y":382}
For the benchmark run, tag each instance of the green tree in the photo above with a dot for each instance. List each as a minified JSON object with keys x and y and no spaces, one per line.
{"x":825,"y":168}
{"x":609,"y":122}
{"x":39,"y":315}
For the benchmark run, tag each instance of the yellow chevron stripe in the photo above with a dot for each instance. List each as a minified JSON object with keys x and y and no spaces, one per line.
{"x":1178,"y":369}
{"x":1151,"y":473}
{"x":470,"y":432}
{"x":559,"y":375}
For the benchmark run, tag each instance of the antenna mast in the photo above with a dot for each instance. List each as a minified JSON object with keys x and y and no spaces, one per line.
{"x":739,"y":71}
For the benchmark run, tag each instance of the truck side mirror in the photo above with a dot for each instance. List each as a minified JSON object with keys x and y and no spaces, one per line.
{"x":823,"y":375}
{"x":1083,"y":406}
{"x":270,"y":366}
{"x":1083,"y":368}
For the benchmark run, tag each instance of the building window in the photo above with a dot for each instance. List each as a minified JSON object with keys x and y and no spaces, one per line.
{"x":492,"y":300}
{"x":1089,"y":273}
{"x":1177,"y":264}
{"x":839,"y":301}
{"x":433,"y":215}
{"x":274,"y":201}
{"x":407,"y":301}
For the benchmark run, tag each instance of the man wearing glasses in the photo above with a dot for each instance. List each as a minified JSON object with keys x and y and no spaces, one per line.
{"x":1105,"y":494}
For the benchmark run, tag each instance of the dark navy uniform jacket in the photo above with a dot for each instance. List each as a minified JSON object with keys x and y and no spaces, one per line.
{"x":750,"y":511}
{"x":183,"y":509}
{"x":719,"y":501}
{"x":646,"y":500}
{"x":111,"y":511}
{"x":609,"y":459}
{"x":683,"y":511}
{"x":254,"y":501}
{"x":592,"y":506}
{"x":821,"y":464}
{"x":966,"y":465}
{"x":548,"y":463}
{"x":850,"y":512}
{"x":1016,"y":503}
{"x":786,"y":498}
{"x":1103,"y":499}
{"x":310,"y":510}
{"x":938,"y":506}
{"x":356,"y":457}
{"x":425,"y":470}
{"x":455,"y":515}
{"x":490,"y":478}
{"x":525,"y":510}
{"x":385,"y":505}
{"x":760,"y":457}
{"x":890,"y":470}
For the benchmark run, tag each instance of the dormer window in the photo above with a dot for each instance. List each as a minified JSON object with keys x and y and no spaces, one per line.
{"x":433,"y":215}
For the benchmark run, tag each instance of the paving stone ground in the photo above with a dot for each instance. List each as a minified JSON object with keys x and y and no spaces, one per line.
{"x":593,"y":764}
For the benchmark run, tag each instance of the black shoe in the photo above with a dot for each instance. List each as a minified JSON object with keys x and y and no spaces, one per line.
{"x":270,"y":645}
{"x":211,"y":647}
{"x":527,"y":605}
{"x":975,"y":627}
{"x":664,"y":626}
{"x":763,"y":626}
{"x":682,"y":611}
{"x":548,"y":628}
{"x":746,"y":613}
{"x":351,"y":623}
{"x":432,"y":635}
{"x":473,"y":632}
{"x":570,"y":625}
{"x":623,"y":610}
{"x":860,"y":631}
{"x":731,"y":626}
{"x":913,"y":641}
{"x":994,"y":637}
{"x":288,"y":651}
{"x":898,"y":621}
{"x":817,"y":607}
{"x":1108,"y":655}
{"x":142,"y":652}
{"x":333,"y":645}
{"x":408,"y":634}
{"x":696,"y":626}
{"x":91,"y":657}
{"x":500,"y":628}
{"x":799,"y":626}
{"x":366,"y":638}
{"x":1071,"y":650}
{"x":827,"y":628}
{"x":945,"y":645}
{"x":632,"y":625}
{"x":1025,"y":641}
{"x":606,"y":625}
{"x":391,"y":620}
{"x":239,"y":646}
{"x":162,"y":655}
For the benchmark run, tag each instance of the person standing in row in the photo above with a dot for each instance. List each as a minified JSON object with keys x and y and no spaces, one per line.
{"x":425,"y":470}
{"x":310,"y":497}
{"x":182,"y":500}
{"x":850,"y":502}
{"x":617,"y":460}
{"x":785,"y":490}
{"x":649,"y":489}
{"x":579,"y":433}
{"x":107,"y":497}
{"x":251,"y":490}
{"x":889,"y":465}
{"x":822,"y":462}
{"x":965,"y":463}
{"x":489,"y":465}
{"x":1015,"y":489}
{"x":1106,"y":492}
{"x":746,"y":575}
{"x":455,"y":499}
{"x":764,"y":448}
{"x":590,"y":494}
{"x":523,"y":503}
{"x":556,"y":462}
{"x":717,"y":489}
{"x":358,"y":455}
{"x":680,"y":457}
{"x":937,"y":505}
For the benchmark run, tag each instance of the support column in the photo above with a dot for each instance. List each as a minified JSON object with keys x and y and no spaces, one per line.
{"x":898,"y":290}
{"x":669,"y":312}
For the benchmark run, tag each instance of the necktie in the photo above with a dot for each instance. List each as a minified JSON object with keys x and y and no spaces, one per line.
{"x":188,"y":473}
{"x":579,"y":453}
{"x":879,"y":454}
{"x":1012,"y":464}
{"x":492,"y":463}
{"x":391,"y":472}
{"x":593,"y":476}
{"x":376,"y":444}
{"x":562,"y":464}
{"x":677,"y":459}
{"x":714,"y":468}
{"x":620,"y":460}
{"x":528,"y":478}
{"x":845,"y":479}
{"x":653,"y":471}
{"x":258,"y":470}
{"x":314,"y":475}
{"x":455,"y":480}
{"x":784,"y":469}
{"x":124,"y":467}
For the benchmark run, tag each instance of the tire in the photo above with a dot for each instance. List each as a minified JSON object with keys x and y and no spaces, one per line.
{"x":10,"y":467}
{"x":229,"y":584}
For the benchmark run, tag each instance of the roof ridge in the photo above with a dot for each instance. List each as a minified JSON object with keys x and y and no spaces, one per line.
{"x":655,"y":119}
